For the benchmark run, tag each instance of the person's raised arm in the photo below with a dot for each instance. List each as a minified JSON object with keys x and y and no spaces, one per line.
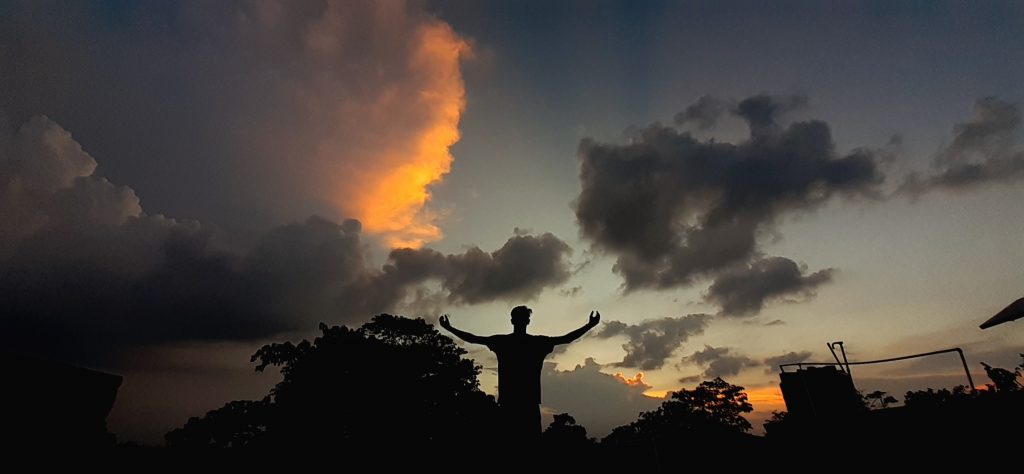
{"x":465,"y":336}
{"x":595,"y":317}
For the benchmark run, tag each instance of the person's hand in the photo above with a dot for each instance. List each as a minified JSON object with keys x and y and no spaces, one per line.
{"x":595,"y":317}
{"x":443,"y":321}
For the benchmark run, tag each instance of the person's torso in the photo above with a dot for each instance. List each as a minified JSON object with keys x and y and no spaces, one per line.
{"x":520,"y":360}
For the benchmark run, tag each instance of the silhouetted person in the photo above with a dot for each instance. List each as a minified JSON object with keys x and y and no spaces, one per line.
{"x":520,"y":360}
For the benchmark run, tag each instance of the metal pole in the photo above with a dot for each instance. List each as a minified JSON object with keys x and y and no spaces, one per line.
{"x":963,"y":360}
{"x":832,"y":349}
{"x":967,"y":371}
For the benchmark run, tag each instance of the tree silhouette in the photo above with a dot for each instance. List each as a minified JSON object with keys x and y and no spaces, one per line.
{"x":931,"y":398}
{"x":565,"y":433}
{"x":565,"y":445}
{"x":393,"y":380}
{"x":1004,"y":380}
{"x":776,"y":422}
{"x":234,"y":425}
{"x":713,"y":409}
{"x":883,"y":399}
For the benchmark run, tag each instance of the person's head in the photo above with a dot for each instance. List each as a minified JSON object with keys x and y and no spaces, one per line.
{"x":521,"y":316}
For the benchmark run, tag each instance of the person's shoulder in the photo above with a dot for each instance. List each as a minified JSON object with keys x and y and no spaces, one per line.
{"x":496,"y":339}
{"x":539,"y":339}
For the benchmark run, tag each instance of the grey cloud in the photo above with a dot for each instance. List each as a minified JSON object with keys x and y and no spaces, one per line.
{"x":992,"y":130}
{"x":597,"y":400}
{"x":653,"y":341}
{"x":84,"y":270}
{"x":704,"y":114}
{"x":520,"y":269}
{"x":47,"y":184}
{"x":571,"y":292}
{"x":787,"y":358}
{"x":672,"y":208}
{"x":984,"y":150}
{"x":724,"y":362}
{"x":762,"y":112}
{"x":744,"y":290}
{"x":709,"y":354}
{"x":719,"y":362}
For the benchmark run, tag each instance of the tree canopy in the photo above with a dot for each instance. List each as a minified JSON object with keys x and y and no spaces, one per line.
{"x":393,"y":380}
{"x":712,"y":410}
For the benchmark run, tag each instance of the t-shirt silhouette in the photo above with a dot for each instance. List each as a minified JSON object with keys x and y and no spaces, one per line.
{"x":520,"y":360}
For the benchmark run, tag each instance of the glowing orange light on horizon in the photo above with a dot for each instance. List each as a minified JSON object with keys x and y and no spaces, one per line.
{"x":659,"y":394}
{"x":766,"y":398}
{"x":392,"y":199}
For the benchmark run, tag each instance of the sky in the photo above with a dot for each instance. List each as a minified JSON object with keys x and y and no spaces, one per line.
{"x":731,"y":184}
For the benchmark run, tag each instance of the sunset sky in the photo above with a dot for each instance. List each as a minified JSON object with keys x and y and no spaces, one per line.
{"x":731,"y":184}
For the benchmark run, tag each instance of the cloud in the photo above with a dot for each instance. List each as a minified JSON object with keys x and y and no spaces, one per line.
{"x":704,"y":114}
{"x":744,"y":290}
{"x":984,"y":150}
{"x":652,"y":342}
{"x":520,"y":269}
{"x":571,"y":292}
{"x":724,"y":362}
{"x":597,"y":400}
{"x":787,"y":358}
{"x":718,"y":362}
{"x":85,"y":271}
{"x":762,"y":112}
{"x":267,"y":108}
{"x":634,"y":381}
{"x":672,"y":208}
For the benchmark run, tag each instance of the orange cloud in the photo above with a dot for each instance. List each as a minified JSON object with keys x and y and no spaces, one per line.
{"x":635,"y":381}
{"x":392,"y":190}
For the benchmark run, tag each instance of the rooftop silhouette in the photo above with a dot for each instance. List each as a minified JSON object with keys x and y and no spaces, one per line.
{"x":56,"y":404}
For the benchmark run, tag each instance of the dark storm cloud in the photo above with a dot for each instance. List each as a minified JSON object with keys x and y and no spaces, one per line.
{"x":718,"y":362}
{"x":269,"y":110}
{"x":984,"y":150}
{"x":84,"y":270}
{"x":672,"y":208}
{"x":744,"y":290}
{"x":652,"y":342}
